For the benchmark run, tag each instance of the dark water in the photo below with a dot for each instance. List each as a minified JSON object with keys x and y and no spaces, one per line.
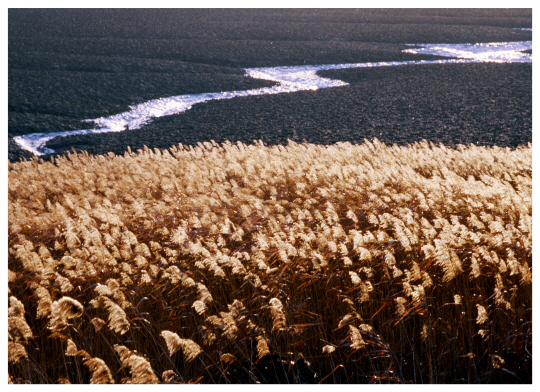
{"x":69,"y":65}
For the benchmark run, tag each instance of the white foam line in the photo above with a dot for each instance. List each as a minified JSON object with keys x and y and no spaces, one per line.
{"x":289,"y":79}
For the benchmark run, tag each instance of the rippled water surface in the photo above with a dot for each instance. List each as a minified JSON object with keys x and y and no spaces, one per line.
{"x":289,"y":79}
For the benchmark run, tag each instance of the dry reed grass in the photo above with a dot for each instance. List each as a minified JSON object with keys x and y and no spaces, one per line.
{"x":298,"y":263}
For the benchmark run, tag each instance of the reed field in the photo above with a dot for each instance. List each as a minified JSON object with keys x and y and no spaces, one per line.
{"x":301,"y":263}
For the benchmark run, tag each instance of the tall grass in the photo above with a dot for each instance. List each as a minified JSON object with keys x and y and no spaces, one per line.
{"x":247,"y":263}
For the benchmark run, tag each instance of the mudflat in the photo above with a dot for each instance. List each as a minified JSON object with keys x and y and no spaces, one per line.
{"x":69,"y":65}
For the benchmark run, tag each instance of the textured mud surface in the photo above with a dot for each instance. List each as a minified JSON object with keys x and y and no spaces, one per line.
{"x":69,"y":65}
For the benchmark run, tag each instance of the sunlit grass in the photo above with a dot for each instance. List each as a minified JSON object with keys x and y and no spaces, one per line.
{"x":247,"y":263}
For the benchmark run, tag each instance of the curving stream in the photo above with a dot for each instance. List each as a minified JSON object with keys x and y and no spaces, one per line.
{"x":289,"y":79}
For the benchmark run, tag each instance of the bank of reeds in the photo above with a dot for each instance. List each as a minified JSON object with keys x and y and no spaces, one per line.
{"x":247,"y":263}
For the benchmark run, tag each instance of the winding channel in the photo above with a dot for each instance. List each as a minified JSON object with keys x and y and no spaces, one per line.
{"x":289,"y":79}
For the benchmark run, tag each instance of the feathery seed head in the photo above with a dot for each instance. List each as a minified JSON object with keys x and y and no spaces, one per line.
{"x":357,"y":342}
{"x":100,"y":371}
{"x":63,"y":310}
{"x":482,"y":314}
{"x":16,"y":352}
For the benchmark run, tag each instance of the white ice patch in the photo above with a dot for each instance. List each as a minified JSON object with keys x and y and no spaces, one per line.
{"x":289,"y":79}
{"x":502,"y":52}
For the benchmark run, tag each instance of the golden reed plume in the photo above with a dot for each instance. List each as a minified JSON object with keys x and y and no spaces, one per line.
{"x":340,"y":263}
